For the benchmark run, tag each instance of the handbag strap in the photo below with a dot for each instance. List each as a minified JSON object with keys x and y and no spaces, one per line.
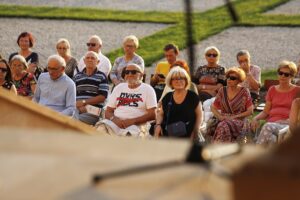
{"x":169,"y":109}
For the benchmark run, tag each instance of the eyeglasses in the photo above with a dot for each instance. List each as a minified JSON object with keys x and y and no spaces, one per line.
{"x":129,"y":46}
{"x":178,"y":78}
{"x":133,"y":72}
{"x":280,"y":73}
{"x":53,"y":69}
{"x":91,"y":44}
{"x":212,"y":55}
{"x":233,"y":78}
{"x":3,"y":70}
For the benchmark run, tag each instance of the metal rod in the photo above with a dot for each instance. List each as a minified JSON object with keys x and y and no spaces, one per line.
{"x":189,"y":34}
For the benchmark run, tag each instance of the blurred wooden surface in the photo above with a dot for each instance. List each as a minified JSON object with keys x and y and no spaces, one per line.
{"x":20,"y":112}
{"x":51,"y":165}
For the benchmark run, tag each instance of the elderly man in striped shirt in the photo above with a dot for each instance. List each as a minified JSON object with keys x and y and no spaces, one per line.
{"x":91,"y":90}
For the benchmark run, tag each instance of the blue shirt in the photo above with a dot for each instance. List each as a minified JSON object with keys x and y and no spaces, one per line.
{"x":59,"y":94}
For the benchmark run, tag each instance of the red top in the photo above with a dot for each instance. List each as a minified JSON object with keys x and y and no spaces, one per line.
{"x":281,"y":103}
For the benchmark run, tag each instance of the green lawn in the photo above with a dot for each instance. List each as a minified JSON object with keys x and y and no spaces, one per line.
{"x":205,"y":24}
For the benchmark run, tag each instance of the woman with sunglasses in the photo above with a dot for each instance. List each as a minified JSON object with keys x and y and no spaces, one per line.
{"x":210,"y":77}
{"x":24,"y":81}
{"x":231,"y":108}
{"x":182,"y":105}
{"x":130,"y":45}
{"x":5,"y":77}
{"x":26,"y":41}
{"x":279,"y":99}
{"x":63,"y":49}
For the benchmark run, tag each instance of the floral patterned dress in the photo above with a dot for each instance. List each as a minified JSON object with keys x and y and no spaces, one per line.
{"x":23,"y":85}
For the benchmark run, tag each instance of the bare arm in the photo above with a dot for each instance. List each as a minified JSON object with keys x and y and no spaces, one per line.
{"x":198,"y":121}
{"x":253,"y":83}
{"x":262,"y":115}
{"x":159,"y":120}
{"x":216,"y":113}
{"x":294,"y":114}
{"x":150,"y":115}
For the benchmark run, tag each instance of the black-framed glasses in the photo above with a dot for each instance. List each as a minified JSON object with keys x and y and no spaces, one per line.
{"x":3,"y":70}
{"x":133,"y":72}
{"x":280,"y":73}
{"x":213,"y":55}
{"x":233,"y":78}
{"x":91,"y":44}
{"x":178,"y":78}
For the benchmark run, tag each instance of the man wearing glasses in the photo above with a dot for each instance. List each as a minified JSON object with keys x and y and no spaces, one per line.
{"x":55,"y":89}
{"x":95,"y":44}
{"x":130,"y":106}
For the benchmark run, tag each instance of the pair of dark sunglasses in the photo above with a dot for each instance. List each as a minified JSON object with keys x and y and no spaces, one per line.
{"x":233,"y":78}
{"x":280,"y":73}
{"x":91,"y":44}
{"x":3,"y":70}
{"x":133,"y":72}
{"x":212,"y":55}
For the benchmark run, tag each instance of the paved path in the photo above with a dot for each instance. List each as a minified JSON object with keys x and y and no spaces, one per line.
{"x":47,"y":32}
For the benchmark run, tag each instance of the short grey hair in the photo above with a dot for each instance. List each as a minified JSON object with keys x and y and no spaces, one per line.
{"x":59,"y":59}
{"x":92,"y":52}
{"x":241,"y":53}
{"x":21,"y":59}
{"x":97,"y":38}
{"x":175,"y":72}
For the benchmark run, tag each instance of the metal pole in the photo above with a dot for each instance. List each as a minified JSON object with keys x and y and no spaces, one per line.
{"x":189,"y":34}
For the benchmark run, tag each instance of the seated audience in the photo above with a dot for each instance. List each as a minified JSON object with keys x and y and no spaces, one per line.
{"x":130,"y":45}
{"x":95,"y":44}
{"x":63,"y":49}
{"x":252,"y":81}
{"x":26,"y":41}
{"x":182,"y":105}
{"x":55,"y":89}
{"x":130,"y":106}
{"x":24,"y":81}
{"x":91,"y":89}
{"x":5,"y":77}
{"x":210,"y":77}
{"x":279,"y":99}
{"x":231,"y":107}
{"x":162,"y":69}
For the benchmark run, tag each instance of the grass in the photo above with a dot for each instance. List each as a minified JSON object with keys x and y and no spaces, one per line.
{"x":205,"y":24}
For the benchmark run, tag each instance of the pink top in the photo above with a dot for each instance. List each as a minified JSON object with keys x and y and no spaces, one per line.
{"x":281,"y":103}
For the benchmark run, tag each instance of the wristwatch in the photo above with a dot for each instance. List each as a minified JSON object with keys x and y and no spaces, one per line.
{"x":84,"y":102}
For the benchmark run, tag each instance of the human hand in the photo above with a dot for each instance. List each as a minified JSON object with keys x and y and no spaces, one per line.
{"x":82,"y":109}
{"x":254,"y":124}
{"x":157,"y":131}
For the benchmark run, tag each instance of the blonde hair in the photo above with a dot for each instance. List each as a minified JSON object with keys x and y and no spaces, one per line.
{"x":178,"y":72}
{"x":21,"y":59}
{"x":66,"y":42}
{"x":132,"y":38}
{"x":238,"y":71}
{"x":290,"y":65}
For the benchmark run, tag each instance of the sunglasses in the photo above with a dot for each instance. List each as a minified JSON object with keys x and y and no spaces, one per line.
{"x":133,"y":72}
{"x":62,"y":48}
{"x":280,"y":73}
{"x":91,"y":44}
{"x":3,"y":70}
{"x":53,"y":69}
{"x":233,"y":78}
{"x":178,"y":78}
{"x":212,"y":55}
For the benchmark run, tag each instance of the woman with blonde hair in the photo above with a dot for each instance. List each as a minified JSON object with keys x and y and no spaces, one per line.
{"x":211,"y":76}
{"x":279,"y":100}
{"x":231,"y":107}
{"x":179,"y":107}
{"x":63,"y":49}
{"x":130,"y":45}
{"x":24,"y":81}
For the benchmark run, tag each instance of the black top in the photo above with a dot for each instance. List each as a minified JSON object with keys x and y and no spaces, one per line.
{"x":180,"y":112}
{"x":32,"y":58}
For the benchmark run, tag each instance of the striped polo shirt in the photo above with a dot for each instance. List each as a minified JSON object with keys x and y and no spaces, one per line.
{"x":91,"y":86}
